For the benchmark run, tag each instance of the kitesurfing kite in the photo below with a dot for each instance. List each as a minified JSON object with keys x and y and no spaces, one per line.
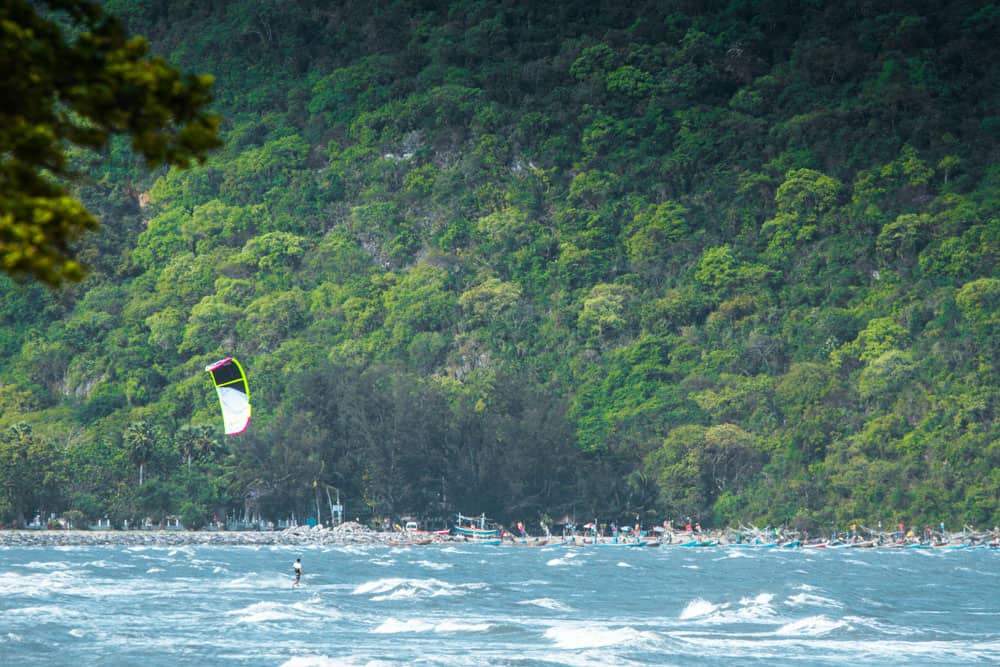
{"x":234,"y":395}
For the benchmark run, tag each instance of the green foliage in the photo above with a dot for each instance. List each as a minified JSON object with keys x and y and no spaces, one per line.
{"x":492,"y":258}
{"x":81,"y":91}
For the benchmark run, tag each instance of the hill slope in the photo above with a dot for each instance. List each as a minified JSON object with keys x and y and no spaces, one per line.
{"x":728,"y":260}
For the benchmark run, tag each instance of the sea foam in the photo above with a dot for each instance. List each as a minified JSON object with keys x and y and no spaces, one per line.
{"x":547,"y":603}
{"x":811,"y":626}
{"x":395,"y":588}
{"x":590,"y":636}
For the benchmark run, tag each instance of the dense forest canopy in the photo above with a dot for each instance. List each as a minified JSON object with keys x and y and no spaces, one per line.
{"x":728,"y":260}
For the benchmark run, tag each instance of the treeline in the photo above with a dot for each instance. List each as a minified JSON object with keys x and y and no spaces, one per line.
{"x":734,"y":261}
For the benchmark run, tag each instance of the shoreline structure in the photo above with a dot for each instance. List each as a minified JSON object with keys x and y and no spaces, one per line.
{"x":351,"y":533}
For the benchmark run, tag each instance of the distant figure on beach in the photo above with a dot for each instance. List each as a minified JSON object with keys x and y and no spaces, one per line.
{"x":297,"y":567}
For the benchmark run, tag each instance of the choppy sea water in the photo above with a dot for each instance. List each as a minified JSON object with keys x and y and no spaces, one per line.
{"x":483,"y":605}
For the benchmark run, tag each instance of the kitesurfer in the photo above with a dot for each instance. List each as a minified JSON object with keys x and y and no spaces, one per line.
{"x":297,"y":567}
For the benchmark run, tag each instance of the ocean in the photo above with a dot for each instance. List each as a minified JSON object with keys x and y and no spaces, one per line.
{"x":453,"y":605}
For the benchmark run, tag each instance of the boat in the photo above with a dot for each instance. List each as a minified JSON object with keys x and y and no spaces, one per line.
{"x":486,"y":532}
{"x":698,"y":543}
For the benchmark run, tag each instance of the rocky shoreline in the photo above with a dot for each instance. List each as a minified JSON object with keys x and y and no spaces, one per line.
{"x":346,"y":533}
{"x":351,"y":533}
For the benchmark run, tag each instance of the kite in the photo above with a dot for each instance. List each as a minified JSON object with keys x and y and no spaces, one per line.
{"x":234,"y":395}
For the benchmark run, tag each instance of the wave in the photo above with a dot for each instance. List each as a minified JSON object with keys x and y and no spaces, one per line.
{"x":254,"y":582}
{"x":432,"y":565}
{"x":48,"y":566}
{"x":264,"y":612}
{"x":811,"y":600}
{"x":39,"y":583}
{"x":782,"y":649}
{"x":392,"y":626}
{"x":812,"y":626}
{"x":698,"y":608}
{"x":46,"y":612}
{"x":454,"y":550}
{"x":566,"y":559}
{"x":399,"y":588}
{"x":327,"y":661}
{"x":580,"y":636}
{"x":547,"y":603}
{"x":749,"y":610}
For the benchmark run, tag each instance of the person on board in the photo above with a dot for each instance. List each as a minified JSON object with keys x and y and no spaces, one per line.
{"x":297,"y":567}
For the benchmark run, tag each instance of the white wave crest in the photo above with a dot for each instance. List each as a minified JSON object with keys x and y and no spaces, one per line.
{"x":255,"y":582}
{"x":400,"y":589}
{"x":757,"y":609}
{"x":265,"y":612}
{"x":811,"y":626}
{"x":392,"y":626}
{"x":48,"y":612}
{"x":810,"y":600}
{"x":547,"y":603}
{"x":327,"y":661}
{"x":12,"y":583}
{"x":591,"y":636}
{"x":48,"y":566}
{"x":760,"y":599}
{"x":564,"y":560}
{"x":698,"y":608}
{"x":457,"y":626}
{"x":431,"y":565}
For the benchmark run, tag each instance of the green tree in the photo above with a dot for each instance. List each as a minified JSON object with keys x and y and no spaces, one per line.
{"x":194,"y":441}
{"x":63,"y":91}
{"x":30,"y":476}
{"x":140,"y":438}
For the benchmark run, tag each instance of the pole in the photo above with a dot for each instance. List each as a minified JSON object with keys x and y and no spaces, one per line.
{"x":319,"y":516}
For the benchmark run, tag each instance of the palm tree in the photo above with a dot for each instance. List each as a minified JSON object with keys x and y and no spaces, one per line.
{"x":140,"y":438}
{"x":195,"y":440}
{"x":185,"y":443}
{"x":205,"y":442}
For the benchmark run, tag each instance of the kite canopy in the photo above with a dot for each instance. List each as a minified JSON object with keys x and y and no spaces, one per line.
{"x":234,"y":395}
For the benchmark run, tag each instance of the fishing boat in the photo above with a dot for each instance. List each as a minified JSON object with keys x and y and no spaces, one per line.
{"x":478,"y":530}
{"x":698,"y":543}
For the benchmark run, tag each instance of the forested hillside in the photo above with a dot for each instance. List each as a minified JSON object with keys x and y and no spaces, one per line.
{"x":728,"y":260}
